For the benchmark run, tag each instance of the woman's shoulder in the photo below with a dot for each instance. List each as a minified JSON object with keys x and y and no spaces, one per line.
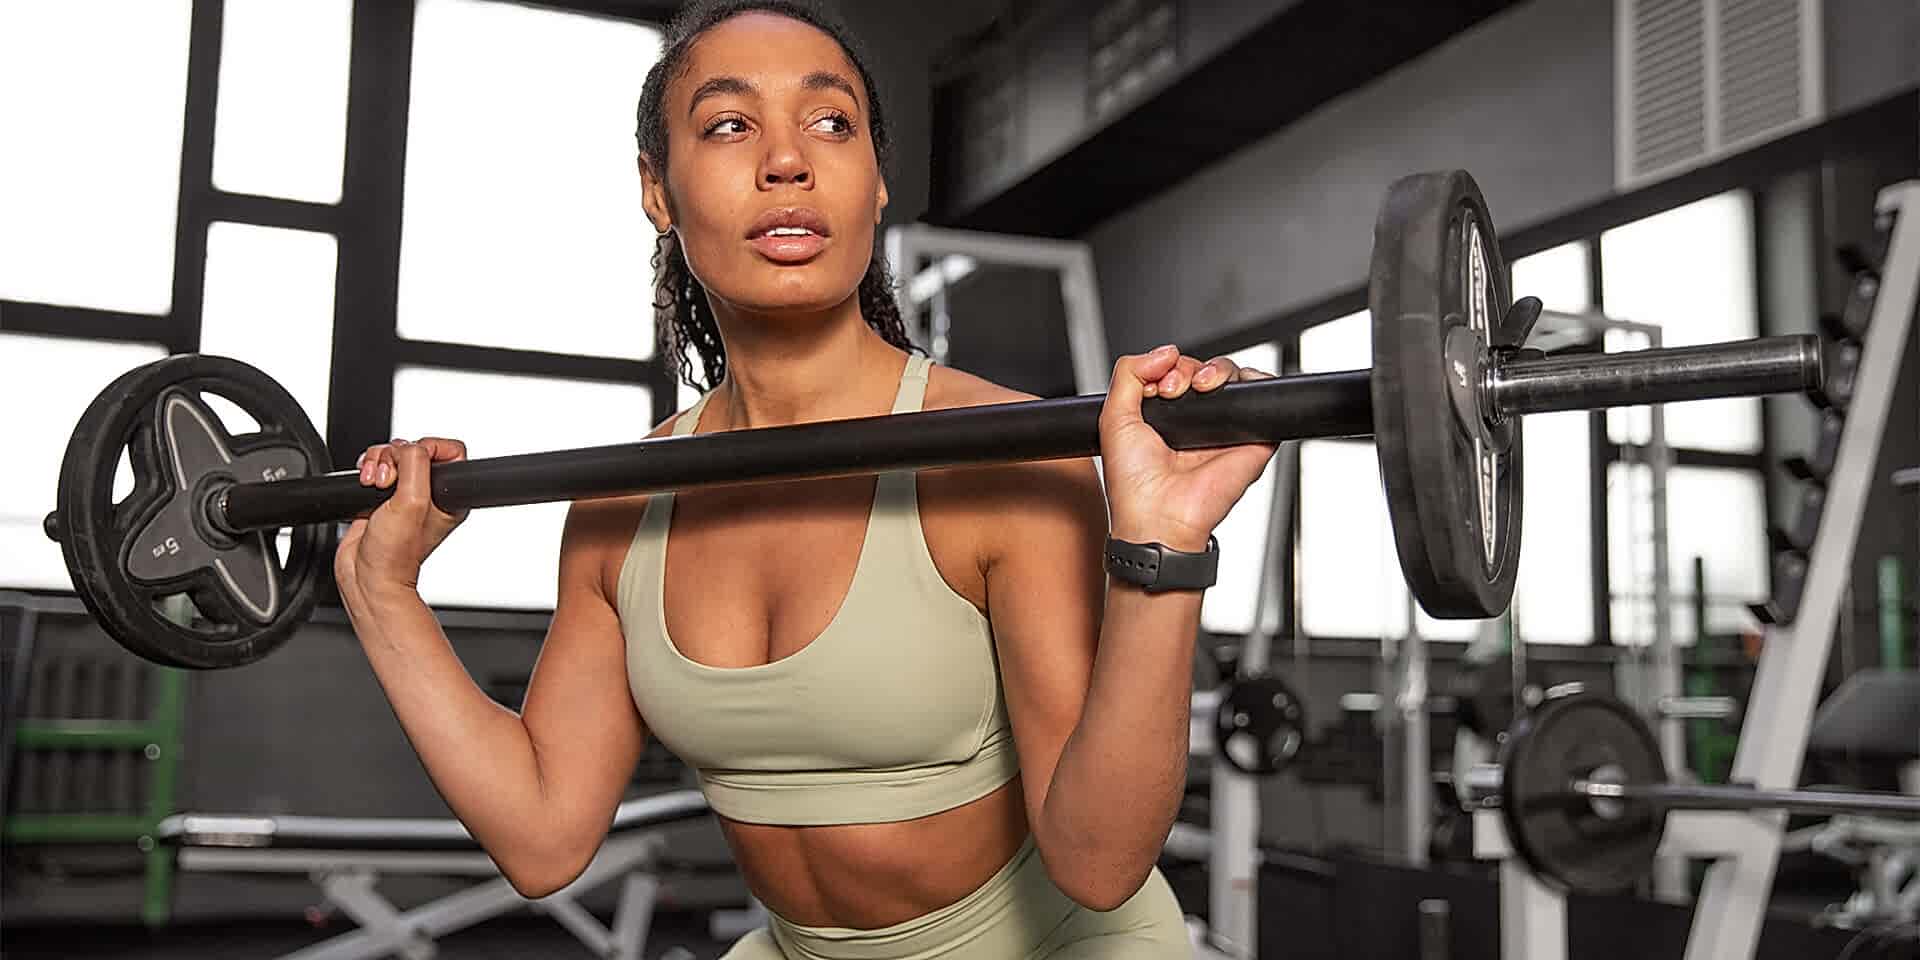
{"x":603,"y":528}
{"x":948,"y":387}
{"x":1060,"y":482}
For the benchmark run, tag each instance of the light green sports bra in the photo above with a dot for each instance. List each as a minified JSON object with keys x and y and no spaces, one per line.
{"x":893,"y":712}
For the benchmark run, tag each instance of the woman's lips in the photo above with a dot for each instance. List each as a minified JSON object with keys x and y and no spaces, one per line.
{"x":789,"y":247}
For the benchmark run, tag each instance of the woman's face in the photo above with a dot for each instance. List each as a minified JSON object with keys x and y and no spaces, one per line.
{"x":772,"y":182}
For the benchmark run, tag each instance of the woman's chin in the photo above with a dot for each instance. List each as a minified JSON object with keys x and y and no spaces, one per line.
{"x":791,"y":300}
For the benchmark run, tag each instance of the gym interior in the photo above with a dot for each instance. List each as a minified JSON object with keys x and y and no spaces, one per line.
{"x":423,"y":218}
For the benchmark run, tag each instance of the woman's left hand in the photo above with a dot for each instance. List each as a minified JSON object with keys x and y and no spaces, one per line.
{"x":1156,"y":493}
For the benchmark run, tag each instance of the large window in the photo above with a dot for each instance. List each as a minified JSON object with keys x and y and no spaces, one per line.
{"x":1229,"y":606}
{"x":1553,"y":593}
{"x":269,"y":302}
{"x":1349,"y":576}
{"x":523,"y":226}
{"x":90,"y":170}
{"x":508,"y":556}
{"x":1712,"y":514}
{"x":1688,"y":271}
{"x":280,"y":129}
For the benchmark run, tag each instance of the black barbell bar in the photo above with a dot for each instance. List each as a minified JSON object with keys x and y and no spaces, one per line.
{"x":1298,"y":407}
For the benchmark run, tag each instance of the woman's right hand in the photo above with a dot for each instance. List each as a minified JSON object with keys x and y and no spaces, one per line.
{"x":384,"y":551}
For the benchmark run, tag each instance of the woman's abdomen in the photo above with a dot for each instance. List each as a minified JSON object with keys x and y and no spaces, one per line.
{"x":871,"y":875}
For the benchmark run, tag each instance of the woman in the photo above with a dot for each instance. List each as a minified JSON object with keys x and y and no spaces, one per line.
{"x":928,"y":725}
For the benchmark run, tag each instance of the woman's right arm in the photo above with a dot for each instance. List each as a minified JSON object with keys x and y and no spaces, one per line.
{"x":536,"y":788}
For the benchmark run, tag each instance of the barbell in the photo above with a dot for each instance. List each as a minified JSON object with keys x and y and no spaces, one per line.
{"x":1584,"y":795}
{"x":1443,"y":402}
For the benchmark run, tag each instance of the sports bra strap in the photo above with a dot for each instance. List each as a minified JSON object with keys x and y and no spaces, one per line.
{"x":690,"y":418}
{"x":913,"y":384}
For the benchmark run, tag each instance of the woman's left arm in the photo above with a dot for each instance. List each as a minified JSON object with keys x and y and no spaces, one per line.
{"x":1098,"y":676}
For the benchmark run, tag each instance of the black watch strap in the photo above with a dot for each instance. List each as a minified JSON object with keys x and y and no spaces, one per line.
{"x":1157,"y":567}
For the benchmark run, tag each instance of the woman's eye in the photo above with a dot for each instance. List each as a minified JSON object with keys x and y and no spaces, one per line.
{"x":834,"y":123}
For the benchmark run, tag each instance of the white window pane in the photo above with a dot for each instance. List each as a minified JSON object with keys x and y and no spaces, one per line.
{"x":522,"y":224}
{"x":1690,"y":271}
{"x":685,"y":396}
{"x":1553,"y":595}
{"x":509,"y":556}
{"x":90,"y":174}
{"x":1342,"y":344}
{"x":1349,"y":576}
{"x":280,"y":123}
{"x":269,"y":302}
{"x":1718,"y":515}
{"x":45,"y":385}
{"x":1558,"y":276}
{"x":1228,"y":606}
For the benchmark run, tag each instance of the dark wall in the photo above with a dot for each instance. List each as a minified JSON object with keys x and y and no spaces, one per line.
{"x":1873,"y":47}
{"x":1524,"y":100}
{"x":901,"y":40}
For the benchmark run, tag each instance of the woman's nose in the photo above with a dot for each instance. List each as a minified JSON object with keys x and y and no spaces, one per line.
{"x":785,"y":164}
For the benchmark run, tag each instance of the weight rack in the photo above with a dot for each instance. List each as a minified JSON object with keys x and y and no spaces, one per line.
{"x":1745,"y":846}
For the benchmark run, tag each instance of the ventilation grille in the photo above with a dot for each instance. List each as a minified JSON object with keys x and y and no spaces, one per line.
{"x":1698,"y":79}
{"x":1759,"y":67}
{"x":1669,"y":82}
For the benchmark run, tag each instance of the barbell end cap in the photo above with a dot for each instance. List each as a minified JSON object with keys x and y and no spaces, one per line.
{"x":52,"y":526}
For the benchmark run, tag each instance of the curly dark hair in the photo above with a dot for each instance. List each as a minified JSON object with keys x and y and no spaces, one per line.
{"x":682,"y":316}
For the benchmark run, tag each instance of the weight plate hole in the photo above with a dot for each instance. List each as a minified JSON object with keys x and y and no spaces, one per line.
{"x":177,"y":607}
{"x":236,"y":420}
{"x":122,"y":479}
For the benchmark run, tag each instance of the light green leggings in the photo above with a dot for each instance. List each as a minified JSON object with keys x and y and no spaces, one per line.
{"x":1018,"y":914}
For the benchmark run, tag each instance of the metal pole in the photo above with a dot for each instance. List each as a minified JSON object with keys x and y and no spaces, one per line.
{"x":1416,"y":771}
{"x":1233,"y":858}
{"x":1705,"y":796}
{"x":1669,"y":873}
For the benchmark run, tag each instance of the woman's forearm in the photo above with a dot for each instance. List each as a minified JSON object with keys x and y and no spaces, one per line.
{"x":1122,"y":773}
{"x":477,"y":752}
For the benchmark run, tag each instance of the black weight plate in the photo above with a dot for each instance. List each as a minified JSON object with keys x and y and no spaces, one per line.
{"x":1575,"y":843}
{"x":1452,"y":494}
{"x":1260,"y":725}
{"x":125,"y":558}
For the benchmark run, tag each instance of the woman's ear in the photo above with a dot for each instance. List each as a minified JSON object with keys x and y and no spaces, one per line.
{"x":880,"y":201}
{"x":653,"y":195}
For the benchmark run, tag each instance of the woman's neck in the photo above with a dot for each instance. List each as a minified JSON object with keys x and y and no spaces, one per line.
{"x":790,"y":369}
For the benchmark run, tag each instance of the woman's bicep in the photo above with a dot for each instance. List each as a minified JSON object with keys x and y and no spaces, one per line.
{"x":586,"y":732}
{"x":1044,"y":597}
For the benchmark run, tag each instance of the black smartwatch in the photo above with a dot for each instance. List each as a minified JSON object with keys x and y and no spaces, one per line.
{"x":1157,"y":568}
